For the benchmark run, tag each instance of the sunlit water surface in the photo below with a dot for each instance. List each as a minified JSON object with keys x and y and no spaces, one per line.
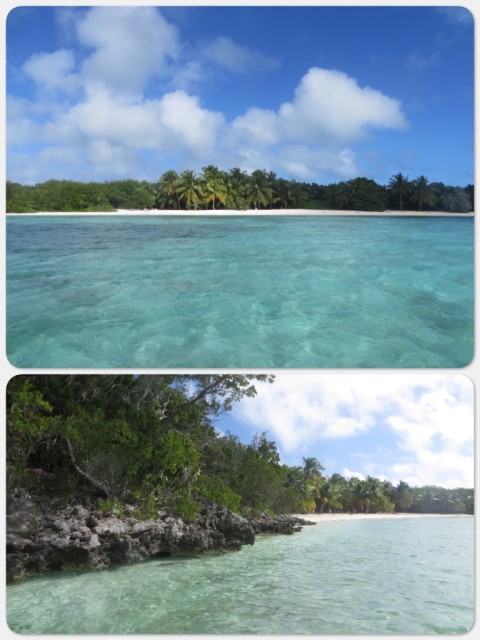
{"x":271,"y":292}
{"x":364,"y":577}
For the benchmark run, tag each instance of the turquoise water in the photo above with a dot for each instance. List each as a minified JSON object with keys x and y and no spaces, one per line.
{"x":364,"y":577}
{"x":271,"y":292}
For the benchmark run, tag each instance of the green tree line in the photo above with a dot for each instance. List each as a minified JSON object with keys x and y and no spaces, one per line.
{"x":151,"y":440}
{"x":215,"y":189}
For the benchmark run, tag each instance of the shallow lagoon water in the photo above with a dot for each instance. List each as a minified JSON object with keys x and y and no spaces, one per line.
{"x":397,"y":576}
{"x":237,"y":292}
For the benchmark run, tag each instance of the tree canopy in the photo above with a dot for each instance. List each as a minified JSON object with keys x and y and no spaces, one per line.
{"x":151,"y":440}
{"x":215,"y":189}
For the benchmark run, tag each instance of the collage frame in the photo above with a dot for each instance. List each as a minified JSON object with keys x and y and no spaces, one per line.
{"x":471,"y":371}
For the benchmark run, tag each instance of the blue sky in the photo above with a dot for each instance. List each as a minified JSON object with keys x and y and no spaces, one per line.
{"x":319,"y":94}
{"x":418,"y":428}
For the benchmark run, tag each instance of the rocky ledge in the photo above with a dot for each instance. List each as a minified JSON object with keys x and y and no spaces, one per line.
{"x":277,"y":524}
{"x":42,"y":537}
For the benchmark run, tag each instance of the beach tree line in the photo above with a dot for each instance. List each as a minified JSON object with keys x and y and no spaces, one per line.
{"x":371,"y":495}
{"x":151,"y":441}
{"x":215,"y":189}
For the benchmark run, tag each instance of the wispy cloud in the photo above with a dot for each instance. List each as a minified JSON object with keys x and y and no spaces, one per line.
{"x":429,"y":420}
{"x":235,"y":58}
{"x":420,"y":62}
{"x":456,"y":15}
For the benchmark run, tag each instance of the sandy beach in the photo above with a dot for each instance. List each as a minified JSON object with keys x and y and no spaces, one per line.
{"x":269,"y":212}
{"x":336,"y":517}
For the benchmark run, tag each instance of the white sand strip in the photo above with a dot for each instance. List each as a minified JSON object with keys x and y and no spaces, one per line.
{"x":336,"y":517}
{"x":252,"y":213}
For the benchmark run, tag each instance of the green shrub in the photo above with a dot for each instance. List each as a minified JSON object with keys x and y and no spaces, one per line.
{"x":183,"y":506}
{"x":215,"y":490}
{"x":115,"y":506}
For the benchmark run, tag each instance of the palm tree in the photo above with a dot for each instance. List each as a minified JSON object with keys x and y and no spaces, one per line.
{"x":189,"y":190}
{"x":238,"y":177}
{"x":344,"y":194}
{"x":403,"y":496}
{"x":422,"y":194}
{"x":258,"y":189}
{"x":373,"y":493}
{"x":399,"y":184}
{"x":236,"y":185}
{"x":214,"y":190}
{"x":388,"y":491}
{"x":312,"y":468}
{"x":283,"y":195}
{"x":234,"y":195}
{"x":259,"y":195}
{"x":167,"y":191}
{"x":211,"y":172}
{"x":329,"y":494}
{"x":363,"y":493}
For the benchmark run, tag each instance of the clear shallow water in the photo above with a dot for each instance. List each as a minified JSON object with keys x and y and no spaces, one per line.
{"x":364,"y":577}
{"x":272,"y":292}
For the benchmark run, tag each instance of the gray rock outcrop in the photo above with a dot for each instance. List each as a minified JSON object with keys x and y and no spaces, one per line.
{"x":44,"y":537}
{"x":284,"y":524}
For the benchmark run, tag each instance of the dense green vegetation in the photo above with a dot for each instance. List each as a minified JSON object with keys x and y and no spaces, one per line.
{"x":217,"y":189}
{"x":151,"y":440}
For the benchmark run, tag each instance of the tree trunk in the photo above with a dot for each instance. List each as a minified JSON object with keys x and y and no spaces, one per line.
{"x":95,"y":483}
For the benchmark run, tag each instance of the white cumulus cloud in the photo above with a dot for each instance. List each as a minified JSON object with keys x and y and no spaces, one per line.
{"x":301,"y":409}
{"x":188,"y":123}
{"x":176,"y":120}
{"x":448,"y":469}
{"x":128,"y":90}
{"x":430,"y":418}
{"x":328,"y":107}
{"x":53,"y":71}
{"x":305,"y":163}
{"x":257,"y":126}
{"x":352,"y":474}
{"x":130,"y":45}
{"x":312,"y":134}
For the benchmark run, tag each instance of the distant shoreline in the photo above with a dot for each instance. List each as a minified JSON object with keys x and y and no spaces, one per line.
{"x":251,"y":213}
{"x":338,"y":517}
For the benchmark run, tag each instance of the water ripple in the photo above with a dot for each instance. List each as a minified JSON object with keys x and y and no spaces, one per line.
{"x":338,"y":578}
{"x":255,"y":293}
